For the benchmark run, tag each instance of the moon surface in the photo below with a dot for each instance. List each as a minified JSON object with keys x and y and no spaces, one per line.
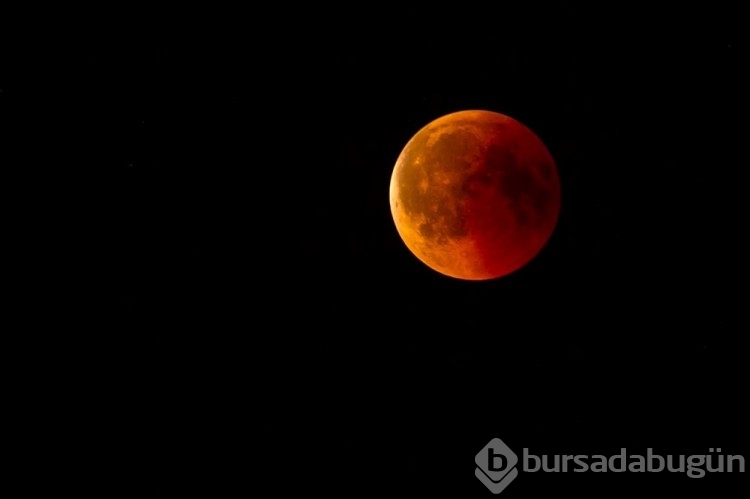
{"x":475,"y":195}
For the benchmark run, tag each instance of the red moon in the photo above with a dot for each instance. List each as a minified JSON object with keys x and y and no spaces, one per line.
{"x":475,"y":195}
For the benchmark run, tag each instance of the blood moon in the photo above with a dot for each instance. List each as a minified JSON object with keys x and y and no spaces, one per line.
{"x":475,"y":195}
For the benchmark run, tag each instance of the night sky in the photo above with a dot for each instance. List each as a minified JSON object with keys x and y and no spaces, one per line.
{"x":247,"y":264}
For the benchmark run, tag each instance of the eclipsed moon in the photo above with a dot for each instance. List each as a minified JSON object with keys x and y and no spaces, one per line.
{"x":475,"y":195}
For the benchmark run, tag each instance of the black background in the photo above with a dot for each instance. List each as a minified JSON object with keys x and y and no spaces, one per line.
{"x":246,"y":267}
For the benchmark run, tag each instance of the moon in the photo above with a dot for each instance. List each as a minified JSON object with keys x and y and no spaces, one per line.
{"x":475,"y":195}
